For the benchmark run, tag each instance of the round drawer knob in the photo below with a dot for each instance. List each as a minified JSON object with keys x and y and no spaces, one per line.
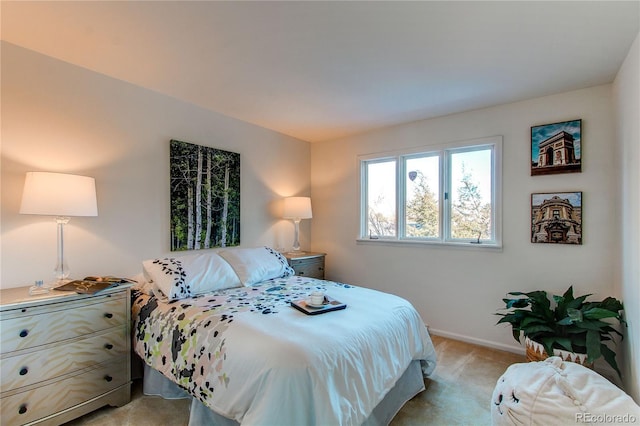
{"x":108,"y":378}
{"x":23,"y":371}
{"x":24,"y":333}
{"x":108,"y":345}
{"x":108,"y":315}
{"x":22,"y":409}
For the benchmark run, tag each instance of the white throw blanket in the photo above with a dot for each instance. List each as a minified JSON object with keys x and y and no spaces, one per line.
{"x":557,"y":392}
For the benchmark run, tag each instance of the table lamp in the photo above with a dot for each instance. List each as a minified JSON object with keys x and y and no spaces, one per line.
{"x":297,"y":208}
{"x":60,"y":195}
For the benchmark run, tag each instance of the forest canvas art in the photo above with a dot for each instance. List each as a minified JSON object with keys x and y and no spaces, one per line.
{"x":205,"y":197}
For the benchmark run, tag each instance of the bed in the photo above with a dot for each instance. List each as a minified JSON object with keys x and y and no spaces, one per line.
{"x":218,"y":327}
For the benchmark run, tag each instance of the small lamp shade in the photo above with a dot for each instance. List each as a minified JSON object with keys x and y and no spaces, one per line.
{"x":297,"y":208}
{"x":59,"y":194}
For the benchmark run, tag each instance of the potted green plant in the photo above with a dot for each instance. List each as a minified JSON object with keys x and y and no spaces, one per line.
{"x":572,"y":324}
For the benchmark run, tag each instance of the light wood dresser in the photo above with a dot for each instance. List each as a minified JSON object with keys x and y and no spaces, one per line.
{"x":62,"y":354}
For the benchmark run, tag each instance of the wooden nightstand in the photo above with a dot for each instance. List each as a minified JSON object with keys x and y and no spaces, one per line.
{"x":63,"y":354}
{"x":307,"y":264}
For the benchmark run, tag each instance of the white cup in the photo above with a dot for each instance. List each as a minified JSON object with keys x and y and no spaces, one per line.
{"x":317,"y":298}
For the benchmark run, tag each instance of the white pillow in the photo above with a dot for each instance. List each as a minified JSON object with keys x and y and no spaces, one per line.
{"x":187,"y":276}
{"x":254,"y":265}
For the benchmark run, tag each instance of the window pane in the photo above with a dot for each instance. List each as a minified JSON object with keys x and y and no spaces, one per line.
{"x":422,"y":189}
{"x":381,"y":199}
{"x":471,"y":208}
{"x":444,"y":194}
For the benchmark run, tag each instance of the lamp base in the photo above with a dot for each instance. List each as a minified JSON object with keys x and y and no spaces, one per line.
{"x":296,"y":242}
{"x":58,"y":282}
{"x":61,"y":270}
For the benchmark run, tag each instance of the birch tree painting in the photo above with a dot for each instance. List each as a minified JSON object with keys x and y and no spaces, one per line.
{"x":205,"y":197}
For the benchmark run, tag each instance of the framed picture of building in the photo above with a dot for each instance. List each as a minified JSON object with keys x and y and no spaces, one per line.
{"x":205,"y":197}
{"x":556,"y":218}
{"x":556,"y":148}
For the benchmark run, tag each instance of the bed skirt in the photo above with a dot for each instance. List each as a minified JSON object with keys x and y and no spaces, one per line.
{"x":410,"y":384}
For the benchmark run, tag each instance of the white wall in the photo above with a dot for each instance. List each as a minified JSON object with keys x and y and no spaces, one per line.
{"x":626,"y":90}
{"x":61,"y":118}
{"x":457,"y":291}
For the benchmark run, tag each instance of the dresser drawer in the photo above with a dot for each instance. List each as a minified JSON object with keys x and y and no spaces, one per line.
{"x":312,"y":267}
{"x":23,"y":370}
{"x":30,"y":327}
{"x":41,"y":401}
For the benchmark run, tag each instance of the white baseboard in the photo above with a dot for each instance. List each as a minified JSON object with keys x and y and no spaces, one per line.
{"x":481,"y":342}
{"x":601,"y":367}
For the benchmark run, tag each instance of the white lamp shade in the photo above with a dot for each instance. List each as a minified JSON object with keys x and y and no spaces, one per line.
{"x":297,"y":208}
{"x":59,"y":194}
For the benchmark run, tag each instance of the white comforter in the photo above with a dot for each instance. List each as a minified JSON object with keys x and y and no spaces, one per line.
{"x":249,"y":356}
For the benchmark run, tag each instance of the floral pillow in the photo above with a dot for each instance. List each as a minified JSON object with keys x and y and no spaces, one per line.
{"x":257,"y":264}
{"x":190,"y":275}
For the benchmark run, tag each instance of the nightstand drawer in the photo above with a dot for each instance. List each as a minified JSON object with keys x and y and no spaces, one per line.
{"x":311,"y":267}
{"x":41,"y":401}
{"x":57,"y":360}
{"x":30,"y":327}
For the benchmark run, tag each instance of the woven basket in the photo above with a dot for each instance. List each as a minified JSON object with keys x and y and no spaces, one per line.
{"x":536,"y":352}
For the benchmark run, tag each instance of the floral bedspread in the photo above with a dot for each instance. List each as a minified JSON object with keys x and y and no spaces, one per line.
{"x":249,"y":356}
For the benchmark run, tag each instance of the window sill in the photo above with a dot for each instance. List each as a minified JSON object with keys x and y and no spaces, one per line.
{"x":410,"y":243}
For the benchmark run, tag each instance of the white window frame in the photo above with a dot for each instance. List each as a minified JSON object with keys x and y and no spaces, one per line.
{"x":444,"y":152}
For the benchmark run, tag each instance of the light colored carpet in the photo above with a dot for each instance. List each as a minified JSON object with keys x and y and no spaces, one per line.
{"x":458,"y":393}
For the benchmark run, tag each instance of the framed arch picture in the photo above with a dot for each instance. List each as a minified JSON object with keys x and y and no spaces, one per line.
{"x":556,"y":218}
{"x":556,"y":148}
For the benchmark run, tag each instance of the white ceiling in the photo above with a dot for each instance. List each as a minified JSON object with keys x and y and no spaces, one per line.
{"x":323,"y":70}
